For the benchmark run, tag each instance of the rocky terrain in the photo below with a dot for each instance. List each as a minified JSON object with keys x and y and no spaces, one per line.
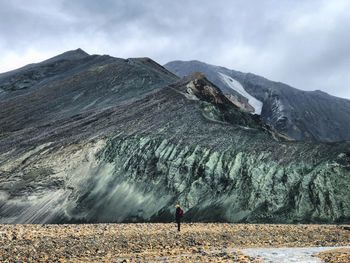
{"x":157,"y":242}
{"x":92,"y":138}
{"x":302,"y":115}
{"x":341,"y":255}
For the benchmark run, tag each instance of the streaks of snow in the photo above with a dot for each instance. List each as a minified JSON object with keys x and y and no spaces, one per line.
{"x":235,"y":85}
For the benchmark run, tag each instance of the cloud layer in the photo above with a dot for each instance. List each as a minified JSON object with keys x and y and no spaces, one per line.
{"x":303,"y":43}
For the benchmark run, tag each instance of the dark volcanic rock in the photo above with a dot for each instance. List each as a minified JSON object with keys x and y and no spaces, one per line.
{"x":112,"y":140}
{"x":302,"y":115}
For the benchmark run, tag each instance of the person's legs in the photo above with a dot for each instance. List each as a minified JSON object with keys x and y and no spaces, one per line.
{"x":178,"y":224}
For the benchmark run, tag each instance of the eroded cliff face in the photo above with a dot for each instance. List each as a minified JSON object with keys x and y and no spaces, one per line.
{"x":232,"y":185}
{"x":132,"y":160}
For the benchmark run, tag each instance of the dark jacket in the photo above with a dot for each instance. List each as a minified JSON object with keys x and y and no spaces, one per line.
{"x":178,"y":213}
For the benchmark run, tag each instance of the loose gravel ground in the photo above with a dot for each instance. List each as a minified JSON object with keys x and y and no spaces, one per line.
{"x":341,"y":255}
{"x":157,"y":242}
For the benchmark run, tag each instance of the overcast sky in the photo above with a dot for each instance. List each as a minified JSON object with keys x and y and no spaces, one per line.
{"x":304,"y":43}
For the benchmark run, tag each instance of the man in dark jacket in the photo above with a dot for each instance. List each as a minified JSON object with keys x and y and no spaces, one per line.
{"x":178,"y":215}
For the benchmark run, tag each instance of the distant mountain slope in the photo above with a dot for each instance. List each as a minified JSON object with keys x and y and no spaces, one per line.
{"x":72,"y":83}
{"x":303,"y":115}
{"x":101,"y":139}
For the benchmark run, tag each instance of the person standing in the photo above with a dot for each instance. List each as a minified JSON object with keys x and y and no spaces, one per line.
{"x":178,"y":215}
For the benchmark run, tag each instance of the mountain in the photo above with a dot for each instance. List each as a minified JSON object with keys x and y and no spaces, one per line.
{"x":71,"y":84}
{"x":100,"y":139}
{"x":302,"y":115}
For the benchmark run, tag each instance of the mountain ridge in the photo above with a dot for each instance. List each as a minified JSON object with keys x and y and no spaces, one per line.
{"x":302,"y":115}
{"x":254,"y":75}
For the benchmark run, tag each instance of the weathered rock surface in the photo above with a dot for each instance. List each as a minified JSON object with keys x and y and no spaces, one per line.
{"x":113,"y":140}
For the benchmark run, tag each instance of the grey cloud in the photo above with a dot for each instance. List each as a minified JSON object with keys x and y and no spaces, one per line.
{"x":302,"y":43}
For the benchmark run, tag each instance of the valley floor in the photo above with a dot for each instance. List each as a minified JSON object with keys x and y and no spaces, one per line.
{"x":199,"y":242}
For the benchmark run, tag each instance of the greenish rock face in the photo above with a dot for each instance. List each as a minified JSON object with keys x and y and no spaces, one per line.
{"x":131,"y":157}
{"x":230,"y":185}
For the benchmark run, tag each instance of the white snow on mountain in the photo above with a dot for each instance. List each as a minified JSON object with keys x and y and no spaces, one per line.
{"x":235,"y":85}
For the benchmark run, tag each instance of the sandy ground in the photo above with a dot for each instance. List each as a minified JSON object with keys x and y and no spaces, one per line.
{"x":158,"y":242}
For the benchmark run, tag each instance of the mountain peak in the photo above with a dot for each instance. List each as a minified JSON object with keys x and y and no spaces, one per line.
{"x":69,"y":55}
{"x":75,"y":52}
{"x":81,"y":51}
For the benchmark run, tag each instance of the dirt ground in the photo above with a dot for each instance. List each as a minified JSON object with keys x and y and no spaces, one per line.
{"x":341,"y":255}
{"x":199,"y":242}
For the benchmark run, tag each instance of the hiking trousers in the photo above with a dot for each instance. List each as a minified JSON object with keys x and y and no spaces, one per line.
{"x":178,"y":221}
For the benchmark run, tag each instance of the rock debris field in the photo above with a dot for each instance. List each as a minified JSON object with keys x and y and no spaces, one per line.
{"x":152,"y":242}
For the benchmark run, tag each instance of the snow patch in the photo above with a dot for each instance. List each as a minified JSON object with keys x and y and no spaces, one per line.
{"x":235,"y":85}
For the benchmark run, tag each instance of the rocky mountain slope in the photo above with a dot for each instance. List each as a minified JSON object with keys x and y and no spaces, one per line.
{"x":302,"y":115}
{"x":101,"y":139}
{"x":74,"y":83}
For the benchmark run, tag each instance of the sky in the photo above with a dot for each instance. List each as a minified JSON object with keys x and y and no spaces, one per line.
{"x":304,"y":43}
